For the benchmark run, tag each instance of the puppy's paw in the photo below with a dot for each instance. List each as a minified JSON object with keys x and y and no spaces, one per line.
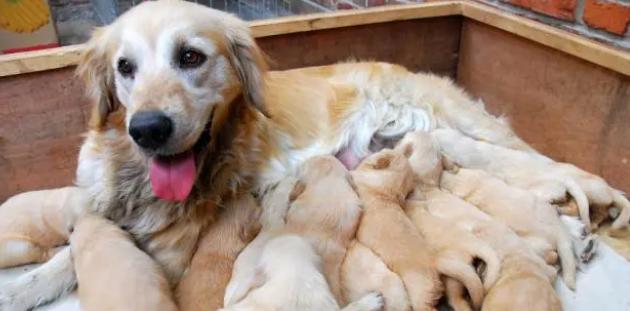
{"x":371,"y":302}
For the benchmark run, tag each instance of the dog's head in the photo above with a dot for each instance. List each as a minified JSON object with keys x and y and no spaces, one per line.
{"x":166,"y":72}
{"x":387,"y":173}
{"x":424,"y":156}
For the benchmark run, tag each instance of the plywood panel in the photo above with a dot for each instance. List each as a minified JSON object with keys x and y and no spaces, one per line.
{"x":41,"y":118}
{"x":423,"y":44}
{"x":567,"y":108}
{"x":43,"y":114}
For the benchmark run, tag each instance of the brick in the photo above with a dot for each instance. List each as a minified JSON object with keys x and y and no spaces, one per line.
{"x":561,"y":9}
{"x":609,"y":16}
{"x":371,"y":3}
{"x":341,"y":5}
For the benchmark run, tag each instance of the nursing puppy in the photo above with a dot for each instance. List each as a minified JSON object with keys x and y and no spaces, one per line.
{"x":383,"y":181}
{"x":32,"y":224}
{"x":364,"y":272}
{"x":455,"y":249}
{"x":525,"y":279}
{"x":292,"y":279}
{"x":549,"y":180}
{"x":203,"y":285}
{"x":326,"y":212}
{"x":98,"y":246}
{"x":537,"y":222}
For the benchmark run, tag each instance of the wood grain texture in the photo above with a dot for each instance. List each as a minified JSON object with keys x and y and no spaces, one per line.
{"x":567,"y":108}
{"x":42,"y":116}
{"x":424,"y":44}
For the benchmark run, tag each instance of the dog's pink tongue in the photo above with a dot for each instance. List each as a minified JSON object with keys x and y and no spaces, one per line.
{"x":172,"y":178}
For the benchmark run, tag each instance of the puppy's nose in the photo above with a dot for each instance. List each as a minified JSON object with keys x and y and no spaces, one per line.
{"x":150,"y":129}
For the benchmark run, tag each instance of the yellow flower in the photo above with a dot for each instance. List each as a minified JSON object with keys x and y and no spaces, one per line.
{"x":23,"y":15}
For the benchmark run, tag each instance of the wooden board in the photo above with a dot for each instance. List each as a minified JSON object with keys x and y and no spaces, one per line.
{"x":423,"y":44}
{"x":41,"y":118}
{"x":42,"y":114}
{"x":567,"y":108}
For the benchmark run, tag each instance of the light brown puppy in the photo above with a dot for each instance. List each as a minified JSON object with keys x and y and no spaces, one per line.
{"x":326,"y":212}
{"x":104,"y":255}
{"x":33,"y":223}
{"x":537,"y":222}
{"x":364,"y":272}
{"x":454,"y":249}
{"x":203,"y":285}
{"x":383,"y":181}
{"x":551,"y":181}
{"x":525,"y":279}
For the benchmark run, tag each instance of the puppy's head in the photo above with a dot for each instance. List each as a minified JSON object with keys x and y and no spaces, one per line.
{"x":387,"y":172}
{"x":316,"y":168}
{"x":164,"y":74}
{"x":424,"y":156}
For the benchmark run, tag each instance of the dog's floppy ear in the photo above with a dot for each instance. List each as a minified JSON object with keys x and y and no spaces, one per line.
{"x":297,"y":190}
{"x":249,"y":63}
{"x":97,"y":75}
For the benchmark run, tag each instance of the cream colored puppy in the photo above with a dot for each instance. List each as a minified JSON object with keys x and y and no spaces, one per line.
{"x":456,"y":247}
{"x":525,"y":279}
{"x":534,"y":220}
{"x":549,"y":180}
{"x":323,"y":211}
{"x":364,"y":272}
{"x":34,"y":223}
{"x":326,"y":212}
{"x":203,"y":285}
{"x":383,"y":181}
{"x":105,"y":255}
{"x":292,"y":279}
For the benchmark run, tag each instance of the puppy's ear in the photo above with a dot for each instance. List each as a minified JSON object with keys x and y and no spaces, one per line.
{"x":298,"y":189}
{"x":408,"y":150}
{"x":449,"y":165}
{"x":249,"y":63}
{"x":97,"y":75}
{"x":383,"y":162}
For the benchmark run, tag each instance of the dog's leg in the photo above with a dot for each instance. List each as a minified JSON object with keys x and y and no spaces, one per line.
{"x":43,"y":284}
{"x":455,"y":295}
{"x":369,"y":302}
{"x":19,"y":250}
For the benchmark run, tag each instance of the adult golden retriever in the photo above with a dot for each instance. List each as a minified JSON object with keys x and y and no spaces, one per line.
{"x":186,"y":115}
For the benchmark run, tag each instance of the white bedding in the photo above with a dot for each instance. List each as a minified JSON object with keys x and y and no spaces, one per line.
{"x":603,"y":284}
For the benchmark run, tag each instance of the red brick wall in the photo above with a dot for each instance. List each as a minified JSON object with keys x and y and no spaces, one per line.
{"x":602,"y":20}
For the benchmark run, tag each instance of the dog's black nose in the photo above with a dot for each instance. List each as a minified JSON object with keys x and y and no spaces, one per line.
{"x":150,"y":129}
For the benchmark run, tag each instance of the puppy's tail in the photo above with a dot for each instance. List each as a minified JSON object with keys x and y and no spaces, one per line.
{"x":484,"y":252}
{"x":567,"y":259}
{"x":465,"y":274}
{"x":581,"y":200}
{"x":621,"y":202}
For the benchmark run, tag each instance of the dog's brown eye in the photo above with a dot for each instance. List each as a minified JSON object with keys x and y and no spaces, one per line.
{"x":189,"y":58}
{"x":126,"y":68}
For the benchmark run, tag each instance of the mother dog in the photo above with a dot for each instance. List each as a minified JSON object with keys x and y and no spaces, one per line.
{"x":185,"y":115}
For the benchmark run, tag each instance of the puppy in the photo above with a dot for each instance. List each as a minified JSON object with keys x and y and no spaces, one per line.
{"x":525,"y":279}
{"x":292,"y":279}
{"x":203,"y":285}
{"x":363,"y":272}
{"x":104,"y":255}
{"x":549,"y":180}
{"x":534,"y":220}
{"x":326,"y":212}
{"x":383,"y":181}
{"x":325,"y":220}
{"x":455,"y":249}
{"x":34,"y":223}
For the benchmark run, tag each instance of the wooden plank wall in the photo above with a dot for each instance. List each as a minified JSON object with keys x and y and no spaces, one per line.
{"x":567,"y":108}
{"x":43,"y":114}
